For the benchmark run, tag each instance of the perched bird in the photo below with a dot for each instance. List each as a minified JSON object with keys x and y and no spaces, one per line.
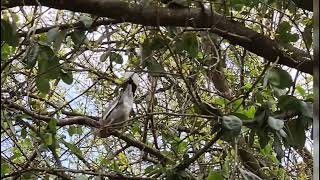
{"x":116,"y":115}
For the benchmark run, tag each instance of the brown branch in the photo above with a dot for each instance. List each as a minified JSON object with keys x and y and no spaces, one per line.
{"x":81,"y":120}
{"x":186,"y":163}
{"x":55,"y":171}
{"x":151,"y":15}
{"x":78,"y":25}
{"x":141,"y":146}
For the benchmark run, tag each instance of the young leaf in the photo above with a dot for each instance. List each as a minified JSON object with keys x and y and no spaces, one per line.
{"x":215,"y":175}
{"x":52,"y":125}
{"x":48,"y":139}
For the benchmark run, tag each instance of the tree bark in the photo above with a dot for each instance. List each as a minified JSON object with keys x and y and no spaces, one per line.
{"x":151,"y":15}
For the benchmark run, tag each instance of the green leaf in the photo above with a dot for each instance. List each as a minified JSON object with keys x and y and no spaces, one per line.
{"x":86,"y":20}
{"x":43,"y":63}
{"x":240,"y":115}
{"x":52,"y":125}
{"x":32,"y":56}
{"x":182,"y":147}
{"x":277,"y":146}
{"x":73,"y":148}
{"x":291,"y":103}
{"x":149,"y":169}
{"x":48,"y":139}
{"x":301,"y":91}
{"x":8,"y":33}
{"x":215,"y":175}
{"x":154,"y":67}
{"x":284,"y":34}
{"x":58,"y":40}
{"x":66,"y":77}
{"x":23,"y":132}
{"x":263,"y":137}
{"x":189,"y":43}
{"x":262,"y":114}
{"x":157,"y":43}
{"x":307,"y":34}
{"x":279,"y":78}
{"x":250,"y":112}
{"x":6,"y":51}
{"x":116,"y":58}
{"x":52,"y":34}
{"x":48,"y":63}
{"x":72,"y":130}
{"x":78,"y":37}
{"x":276,"y":124}
{"x":75,"y":130}
{"x":5,"y":168}
{"x":297,"y":134}
{"x":104,"y":57}
{"x":43,"y":85}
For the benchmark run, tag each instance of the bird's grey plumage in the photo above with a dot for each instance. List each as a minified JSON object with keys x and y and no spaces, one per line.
{"x":116,"y":115}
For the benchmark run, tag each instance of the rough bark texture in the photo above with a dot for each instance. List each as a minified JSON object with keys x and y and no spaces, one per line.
{"x":235,"y":32}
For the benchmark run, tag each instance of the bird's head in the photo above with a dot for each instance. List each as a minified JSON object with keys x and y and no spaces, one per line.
{"x":133,"y":81}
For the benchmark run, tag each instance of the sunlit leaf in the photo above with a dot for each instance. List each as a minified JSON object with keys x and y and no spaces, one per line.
{"x":215,"y":175}
{"x":48,"y":139}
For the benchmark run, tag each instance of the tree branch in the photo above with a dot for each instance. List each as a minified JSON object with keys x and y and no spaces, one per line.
{"x":151,"y":15}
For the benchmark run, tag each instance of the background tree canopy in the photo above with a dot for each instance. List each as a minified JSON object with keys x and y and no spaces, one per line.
{"x":225,"y":89}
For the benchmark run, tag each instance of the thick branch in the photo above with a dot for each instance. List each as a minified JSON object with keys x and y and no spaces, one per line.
{"x":235,"y":32}
{"x":186,"y":163}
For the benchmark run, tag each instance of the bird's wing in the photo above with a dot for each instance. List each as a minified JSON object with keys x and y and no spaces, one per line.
{"x":108,"y":110}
